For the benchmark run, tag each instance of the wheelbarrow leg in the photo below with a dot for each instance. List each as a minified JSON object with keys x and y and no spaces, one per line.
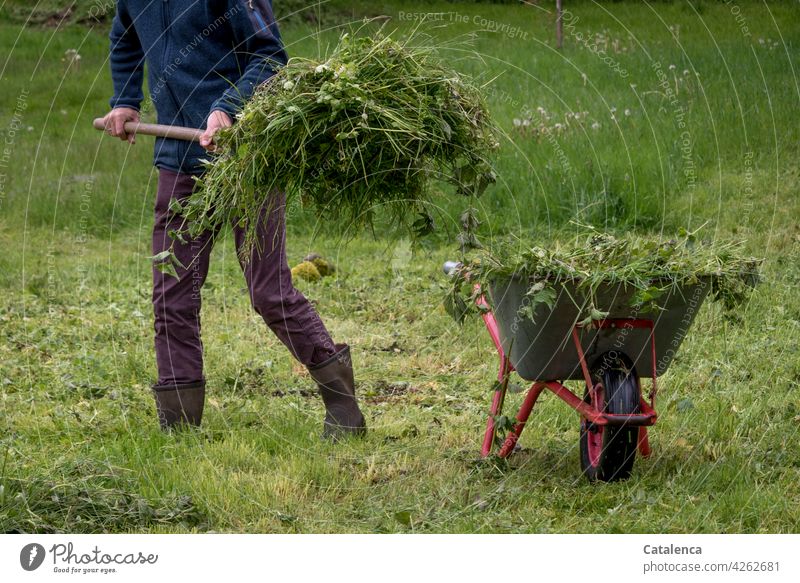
{"x":644,"y":442}
{"x":497,"y":404}
{"x":522,"y":418}
{"x":488,"y":436}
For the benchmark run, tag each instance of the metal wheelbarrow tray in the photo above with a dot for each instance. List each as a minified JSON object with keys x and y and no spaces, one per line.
{"x":541,"y":348}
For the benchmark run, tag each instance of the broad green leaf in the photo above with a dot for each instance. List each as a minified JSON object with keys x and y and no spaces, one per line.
{"x":161,"y":257}
{"x":403,"y":517}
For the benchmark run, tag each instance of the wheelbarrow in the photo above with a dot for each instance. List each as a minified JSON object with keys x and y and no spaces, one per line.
{"x":555,"y":344}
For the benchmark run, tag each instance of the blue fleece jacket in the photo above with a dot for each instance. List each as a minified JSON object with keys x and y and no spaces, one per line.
{"x":201,"y":56}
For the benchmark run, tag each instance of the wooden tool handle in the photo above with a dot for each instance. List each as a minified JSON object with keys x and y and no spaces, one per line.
{"x":154,"y":129}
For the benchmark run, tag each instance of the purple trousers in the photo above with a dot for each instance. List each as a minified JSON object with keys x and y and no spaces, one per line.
{"x":176,"y":302}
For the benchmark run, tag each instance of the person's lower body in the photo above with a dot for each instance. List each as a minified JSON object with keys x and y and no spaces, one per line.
{"x":180,"y":390}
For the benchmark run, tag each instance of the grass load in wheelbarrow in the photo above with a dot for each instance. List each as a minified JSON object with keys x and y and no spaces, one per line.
{"x":366,"y":129}
{"x":654,"y":268}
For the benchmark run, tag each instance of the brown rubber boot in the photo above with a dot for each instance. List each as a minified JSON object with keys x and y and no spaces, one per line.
{"x":334,"y":377}
{"x":179,"y":404}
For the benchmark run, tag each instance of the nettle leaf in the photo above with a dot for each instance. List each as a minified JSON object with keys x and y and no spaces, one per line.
{"x":545,"y":296}
{"x":465,"y":176}
{"x":161,"y":257}
{"x":467,"y":242}
{"x":167,"y":262}
{"x":484,"y":180}
{"x":526,"y":311}
{"x":646,"y":299}
{"x":176,"y":236}
{"x":423,"y":226}
{"x":594,"y":314}
{"x":168,"y":269}
{"x":503,"y":423}
{"x":537,"y":295}
{"x":648,"y":295}
{"x":469,"y":219}
{"x":455,"y":305}
{"x":175,"y":206}
{"x":472,"y":180}
{"x":176,"y":262}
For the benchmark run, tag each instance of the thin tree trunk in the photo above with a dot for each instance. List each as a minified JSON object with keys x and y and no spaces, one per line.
{"x":559,"y":27}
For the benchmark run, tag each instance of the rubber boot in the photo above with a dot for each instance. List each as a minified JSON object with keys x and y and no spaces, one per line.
{"x":179,"y":404}
{"x":334,"y":377}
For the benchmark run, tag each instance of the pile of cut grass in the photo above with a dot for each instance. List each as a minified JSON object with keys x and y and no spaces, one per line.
{"x":88,"y":496}
{"x":362,"y":132}
{"x":653,"y":267}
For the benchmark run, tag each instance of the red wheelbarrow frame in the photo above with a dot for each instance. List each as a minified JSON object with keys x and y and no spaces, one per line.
{"x":647,"y":417}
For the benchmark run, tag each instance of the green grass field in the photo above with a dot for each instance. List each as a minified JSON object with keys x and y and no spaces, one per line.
{"x":704,"y":131}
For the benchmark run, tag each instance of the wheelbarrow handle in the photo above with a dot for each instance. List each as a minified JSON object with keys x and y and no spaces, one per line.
{"x":154,"y":129}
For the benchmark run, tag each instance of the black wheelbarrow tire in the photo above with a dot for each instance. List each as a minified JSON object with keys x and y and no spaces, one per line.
{"x":608,"y":453}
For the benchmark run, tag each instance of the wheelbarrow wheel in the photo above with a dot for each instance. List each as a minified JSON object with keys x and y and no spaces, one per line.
{"x":608,"y":452}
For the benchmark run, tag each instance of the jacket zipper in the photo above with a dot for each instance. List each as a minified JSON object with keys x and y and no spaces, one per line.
{"x":165,"y":52}
{"x":178,"y":116}
{"x":165,"y":27}
{"x":257,"y":15}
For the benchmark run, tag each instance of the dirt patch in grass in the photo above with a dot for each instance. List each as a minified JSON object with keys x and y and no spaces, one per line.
{"x":382,"y":390}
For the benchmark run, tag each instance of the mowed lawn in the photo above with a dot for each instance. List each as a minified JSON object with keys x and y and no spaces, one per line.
{"x":689,"y":120}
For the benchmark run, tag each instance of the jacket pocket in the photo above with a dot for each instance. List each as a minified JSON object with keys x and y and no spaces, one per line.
{"x":260,"y":13}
